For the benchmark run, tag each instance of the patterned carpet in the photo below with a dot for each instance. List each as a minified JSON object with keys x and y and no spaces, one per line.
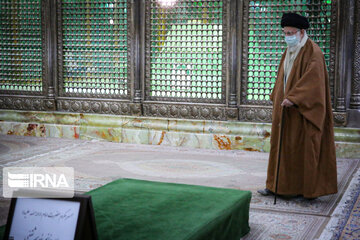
{"x":279,"y":225}
{"x":322,"y":206}
{"x":97,"y":163}
{"x":345,"y":220}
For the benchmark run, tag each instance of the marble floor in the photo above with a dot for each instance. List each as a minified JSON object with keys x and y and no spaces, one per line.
{"x":97,"y":163}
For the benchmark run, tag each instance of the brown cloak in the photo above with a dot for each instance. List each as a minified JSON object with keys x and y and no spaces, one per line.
{"x":308,"y":160}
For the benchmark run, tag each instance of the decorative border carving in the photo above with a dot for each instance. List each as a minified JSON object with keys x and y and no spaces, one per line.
{"x":45,"y":19}
{"x":342,"y":50}
{"x":225,"y":59}
{"x":332,"y":59}
{"x":264,"y":114}
{"x":340,"y":119}
{"x":26,"y":103}
{"x":255,"y":114}
{"x":101,"y":107}
{"x":245,"y":44}
{"x":227,"y":54}
{"x":60,"y":76}
{"x":205,"y":112}
{"x":131,"y":50}
{"x":231,"y":35}
{"x":355,"y":85}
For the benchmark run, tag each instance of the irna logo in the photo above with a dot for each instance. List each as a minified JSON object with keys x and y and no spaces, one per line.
{"x":34,"y":180}
{"x":38,"y":181}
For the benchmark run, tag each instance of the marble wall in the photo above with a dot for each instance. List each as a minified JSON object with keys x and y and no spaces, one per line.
{"x":229,"y":135}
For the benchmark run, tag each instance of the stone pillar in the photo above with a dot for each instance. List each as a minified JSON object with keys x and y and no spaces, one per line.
{"x":232,"y":111}
{"x":139,"y":22}
{"x":49,"y":33}
{"x":354,"y":108}
{"x":233,"y":54}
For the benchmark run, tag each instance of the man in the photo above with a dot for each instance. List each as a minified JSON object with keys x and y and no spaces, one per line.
{"x":308,"y":161}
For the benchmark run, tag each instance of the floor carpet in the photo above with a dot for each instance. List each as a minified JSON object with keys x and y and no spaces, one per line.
{"x":97,"y":163}
{"x":345,"y":220}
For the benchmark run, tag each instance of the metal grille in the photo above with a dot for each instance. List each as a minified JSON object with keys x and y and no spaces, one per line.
{"x":186,"y":51}
{"x":266,"y":41}
{"x":94,"y":48}
{"x":20,"y":46}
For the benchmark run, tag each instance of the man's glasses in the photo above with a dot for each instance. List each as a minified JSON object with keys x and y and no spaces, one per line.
{"x":290,"y":33}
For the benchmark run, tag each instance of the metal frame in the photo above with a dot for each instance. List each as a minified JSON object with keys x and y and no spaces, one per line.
{"x":344,"y":65}
{"x":225,"y":59}
{"x":130,"y":58}
{"x":102,"y":103}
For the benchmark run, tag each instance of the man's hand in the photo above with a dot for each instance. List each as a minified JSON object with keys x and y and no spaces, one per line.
{"x":287,"y":103}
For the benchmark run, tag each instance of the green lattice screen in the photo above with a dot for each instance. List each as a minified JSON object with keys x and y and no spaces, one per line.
{"x":20,"y":46}
{"x":95,"y":47}
{"x":186,"y":51}
{"x":266,"y":41}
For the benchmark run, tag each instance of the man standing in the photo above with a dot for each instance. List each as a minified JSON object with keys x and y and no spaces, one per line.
{"x":308,"y":160}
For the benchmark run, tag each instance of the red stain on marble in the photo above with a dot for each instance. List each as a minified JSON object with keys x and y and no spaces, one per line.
{"x":30,"y":129}
{"x":223,"y":144}
{"x":252,"y":149}
{"x":76,"y":135}
{"x":100,"y":134}
{"x":103,"y":135}
{"x":109,"y":131}
{"x":42,"y":130}
{"x":266,"y":134}
{"x":161,"y":138}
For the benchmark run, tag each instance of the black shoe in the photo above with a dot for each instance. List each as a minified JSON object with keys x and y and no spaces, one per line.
{"x":265,"y":192}
{"x":311,"y":199}
{"x":289,"y":197}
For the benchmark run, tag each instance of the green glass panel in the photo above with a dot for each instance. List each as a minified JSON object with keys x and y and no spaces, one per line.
{"x":266,"y":44}
{"x":190,"y":42}
{"x":20,"y":46}
{"x":95,"y":45}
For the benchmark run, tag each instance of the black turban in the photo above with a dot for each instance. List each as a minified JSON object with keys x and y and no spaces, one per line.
{"x":294,"y":20}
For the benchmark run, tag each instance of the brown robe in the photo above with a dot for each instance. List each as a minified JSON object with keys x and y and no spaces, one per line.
{"x":308,"y":160}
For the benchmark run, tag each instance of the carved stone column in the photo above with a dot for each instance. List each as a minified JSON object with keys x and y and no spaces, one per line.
{"x":136,"y":55}
{"x":232,"y":54}
{"x":344,"y":56}
{"x":138,"y":48}
{"x":232,"y":111}
{"x":49,"y":33}
{"x":354,"y":108}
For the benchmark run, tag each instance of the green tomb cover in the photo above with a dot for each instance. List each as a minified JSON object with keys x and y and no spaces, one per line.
{"x":134,"y":209}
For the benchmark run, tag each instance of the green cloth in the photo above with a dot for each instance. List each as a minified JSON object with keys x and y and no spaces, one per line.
{"x":2,"y":231}
{"x":135,"y":209}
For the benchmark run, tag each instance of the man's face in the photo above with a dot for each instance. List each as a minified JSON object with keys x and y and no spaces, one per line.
{"x":289,"y":31}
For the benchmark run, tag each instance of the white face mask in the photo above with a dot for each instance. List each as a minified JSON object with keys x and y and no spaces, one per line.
{"x":292,"y":40}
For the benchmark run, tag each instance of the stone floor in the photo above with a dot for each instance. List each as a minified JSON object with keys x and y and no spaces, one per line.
{"x":97,"y":163}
